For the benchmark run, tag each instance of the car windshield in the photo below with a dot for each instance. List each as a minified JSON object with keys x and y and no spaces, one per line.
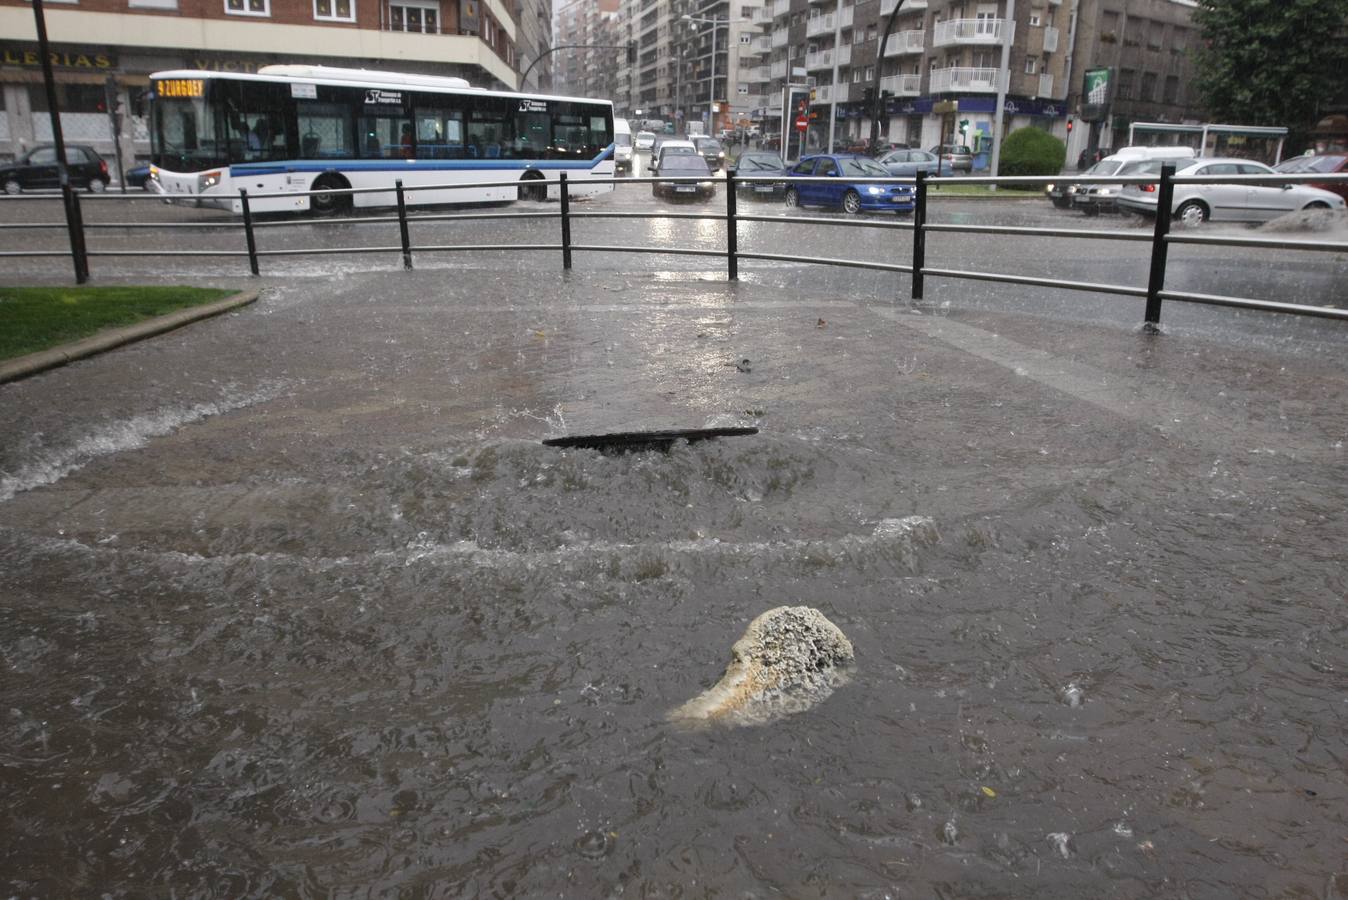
{"x":685,"y":163}
{"x":706,"y":145}
{"x":760,"y":164}
{"x":645,"y":136}
{"x":863,"y":168}
{"x":680,"y":150}
{"x":1105,"y":167}
{"x":622,"y":140}
{"x":1309,"y":164}
{"x":1145,"y":167}
{"x":959,"y":150}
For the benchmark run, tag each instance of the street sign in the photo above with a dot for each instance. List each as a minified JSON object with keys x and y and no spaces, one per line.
{"x":802,"y":123}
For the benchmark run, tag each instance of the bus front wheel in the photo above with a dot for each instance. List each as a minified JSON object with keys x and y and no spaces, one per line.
{"x":535,"y":192}
{"x":327,"y":204}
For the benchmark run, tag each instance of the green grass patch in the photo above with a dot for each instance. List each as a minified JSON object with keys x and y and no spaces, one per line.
{"x":38,"y":318}
{"x":981,"y":190}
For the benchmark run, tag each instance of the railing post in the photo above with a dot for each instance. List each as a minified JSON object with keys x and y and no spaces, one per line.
{"x":919,"y":233}
{"x":1159,"y":246}
{"x":248,"y":230}
{"x":402,"y":226}
{"x":732,"y":244}
{"x":79,"y":251}
{"x":566,"y":222}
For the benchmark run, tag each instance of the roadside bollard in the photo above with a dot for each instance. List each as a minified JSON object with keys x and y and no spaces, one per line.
{"x":566,"y":223}
{"x":732,"y":248}
{"x":919,"y":233}
{"x":402,"y":226}
{"x":1159,"y":247}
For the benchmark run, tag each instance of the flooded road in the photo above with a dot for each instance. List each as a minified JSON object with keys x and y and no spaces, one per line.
{"x":296,"y":604}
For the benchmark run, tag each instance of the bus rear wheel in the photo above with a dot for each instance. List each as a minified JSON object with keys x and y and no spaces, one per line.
{"x":329,"y":204}
{"x":530,"y":191}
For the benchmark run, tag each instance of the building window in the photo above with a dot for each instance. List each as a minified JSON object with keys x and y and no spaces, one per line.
{"x":414,"y":15}
{"x":1178,"y":38}
{"x":1031,"y":65}
{"x":152,"y":4}
{"x":1034,"y":20}
{"x":335,"y":10}
{"x":1148,"y":87}
{"x":248,"y":7}
{"x":871,"y":32}
{"x":1126,"y":77}
{"x":1171,"y":89}
{"x":742,"y":88}
{"x":71,"y":98}
{"x":746,"y":37}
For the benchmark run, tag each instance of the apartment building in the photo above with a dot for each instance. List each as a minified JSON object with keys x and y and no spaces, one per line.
{"x":103,"y":52}
{"x":588,"y":40}
{"x":953,"y":50}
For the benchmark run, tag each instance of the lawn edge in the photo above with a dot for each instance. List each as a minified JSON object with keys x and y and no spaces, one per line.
{"x":103,"y":341}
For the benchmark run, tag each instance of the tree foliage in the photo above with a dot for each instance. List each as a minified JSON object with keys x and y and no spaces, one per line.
{"x":1032,"y":151}
{"x":1271,"y":62}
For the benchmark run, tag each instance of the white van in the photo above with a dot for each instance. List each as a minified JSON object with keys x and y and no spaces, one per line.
{"x":1093,"y":199}
{"x":622,"y":145}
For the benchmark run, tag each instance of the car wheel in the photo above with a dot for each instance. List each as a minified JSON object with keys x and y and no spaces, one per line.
{"x":328,"y":204}
{"x":531,"y":191}
{"x":97,"y":185}
{"x":1091,"y":210}
{"x":1191,"y":214}
{"x":852,"y":203}
{"x":12,"y":186}
{"x":1317,"y":205}
{"x":792,"y":198}
{"x":1063,"y":204}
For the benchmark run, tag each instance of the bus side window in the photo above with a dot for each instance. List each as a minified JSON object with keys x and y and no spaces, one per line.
{"x":386,"y":137}
{"x":325,"y":130}
{"x":439,"y":134}
{"x":533,"y":135}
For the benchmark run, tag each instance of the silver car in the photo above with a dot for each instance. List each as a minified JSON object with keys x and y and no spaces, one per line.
{"x":1195,"y":204}
{"x":907,"y":163}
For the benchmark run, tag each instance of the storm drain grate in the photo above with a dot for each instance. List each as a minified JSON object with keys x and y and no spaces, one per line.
{"x":635,"y":441}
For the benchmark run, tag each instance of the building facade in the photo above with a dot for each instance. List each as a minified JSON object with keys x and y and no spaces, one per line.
{"x":103,"y":52}
{"x":589,"y":38}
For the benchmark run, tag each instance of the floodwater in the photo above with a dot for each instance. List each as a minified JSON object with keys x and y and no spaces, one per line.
{"x":294,"y":602}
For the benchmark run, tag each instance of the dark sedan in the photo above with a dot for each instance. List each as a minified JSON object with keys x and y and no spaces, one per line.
{"x":699,"y":185}
{"x":1328,"y":164}
{"x":36,"y":170}
{"x":711,"y":151}
{"x":758,"y":164}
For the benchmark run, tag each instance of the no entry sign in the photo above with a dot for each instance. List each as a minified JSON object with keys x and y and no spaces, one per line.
{"x":802,"y":123}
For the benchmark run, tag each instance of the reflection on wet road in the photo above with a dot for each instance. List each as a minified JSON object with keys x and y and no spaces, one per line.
{"x":294,"y":603}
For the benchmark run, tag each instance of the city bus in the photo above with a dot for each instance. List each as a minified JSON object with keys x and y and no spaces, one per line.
{"x":293,"y":128}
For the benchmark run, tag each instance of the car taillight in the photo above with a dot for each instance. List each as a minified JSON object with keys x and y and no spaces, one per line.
{"x":103,"y":167}
{"x":1147,"y":188}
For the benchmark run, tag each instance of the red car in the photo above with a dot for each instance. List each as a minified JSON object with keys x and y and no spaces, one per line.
{"x":1328,"y":164}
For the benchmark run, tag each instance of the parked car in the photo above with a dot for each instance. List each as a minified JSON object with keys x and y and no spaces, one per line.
{"x":645,"y":140}
{"x":1328,"y":164}
{"x":907,"y":163}
{"x":850,"y":196}
{"x":138,"y":177}
{"x":1093,"y":199}
{"x":711,"y":151}
{"x":760,"y":164}
{"x":36,"y":170}
{"x":684,"y":165}
{"x":672,"y":147}
{"x":955,"y":157}
{"x":622,"y":145}
{"x":1195,"y":204}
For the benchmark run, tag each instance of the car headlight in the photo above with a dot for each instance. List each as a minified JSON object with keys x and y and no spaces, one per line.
{"x":721,"y":155}
{"x":208,"y":180}
{"x":874,"y":189}
{"x":1048,"y":188}
{"x":1104,"y":192}
{"x":154,"y":172}
{"x":704,"y":184}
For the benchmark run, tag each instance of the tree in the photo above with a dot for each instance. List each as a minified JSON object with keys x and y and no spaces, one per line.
{"x":1032,"y":151}
{"x":1271,"y":62}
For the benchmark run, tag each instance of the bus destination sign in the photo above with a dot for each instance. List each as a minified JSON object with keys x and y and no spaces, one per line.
{"x":180,"y":87}
{"x":533,"y":106}
{"x":389,"y":98}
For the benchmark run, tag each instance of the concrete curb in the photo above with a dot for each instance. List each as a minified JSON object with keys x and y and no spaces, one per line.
{"x":23,"y":366}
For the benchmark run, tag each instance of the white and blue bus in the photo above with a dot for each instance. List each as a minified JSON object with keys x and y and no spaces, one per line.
{"x":292,"y":128}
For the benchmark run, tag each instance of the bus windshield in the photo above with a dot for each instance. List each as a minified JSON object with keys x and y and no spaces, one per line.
{"x":184,"y":137}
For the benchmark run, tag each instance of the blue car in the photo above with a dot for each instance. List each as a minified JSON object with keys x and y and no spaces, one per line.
{"x":844,"y":193}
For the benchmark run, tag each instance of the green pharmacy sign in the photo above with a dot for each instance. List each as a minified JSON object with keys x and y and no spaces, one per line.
{"x":1097,"y":89}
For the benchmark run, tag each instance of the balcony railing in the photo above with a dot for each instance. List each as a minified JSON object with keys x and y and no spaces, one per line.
{"x":846,"y":16}
{"x":817,"y":25}
{"x":968,"y":31}
{"x":820,"y":59}
{"x":746,"y":102}
{"x":778,"y":69}
{"x":905,"y":42}
{"x":761,"y":44}
{"x":960,"y":78}
{"x":781,"y":8}
{"x":902,"y":85}
{"x":761,"y":16}
{"x":780,"y":38}
{"x":887,"y":6}
{"x":1046,"y":86}
{"x":823,"y":93}
{"x":757,"y":74}
{"x":1050,"y":40}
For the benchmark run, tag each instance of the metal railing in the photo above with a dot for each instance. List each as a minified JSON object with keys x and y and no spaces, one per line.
{"x":1160,"y":239}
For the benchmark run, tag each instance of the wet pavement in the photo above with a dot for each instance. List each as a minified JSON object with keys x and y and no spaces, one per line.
{"x":296,"y":604}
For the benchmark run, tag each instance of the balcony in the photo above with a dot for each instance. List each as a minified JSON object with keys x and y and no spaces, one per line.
{"x":846,"y":15}
{"x":820,"y":59}
{"x":823,"y":93}
{"x":817,"y":25}
{"x":781,"y":8}
{"x":753,"y":48}
{"x":747,"y":102}
{"x":1050,"y":40}
{"x":887,"y":6}
{"x":961,"y":78}
{"x":1046,"y":86}
{"x":969,"y":31}
{"x":757,"y":74}
{"x":778,"y":69}
{"x":902,"y":85}
{"x":780,"y":38}
{"x":762,"y":44}
{"x":762,"y":16}
{"x":903,"y":42}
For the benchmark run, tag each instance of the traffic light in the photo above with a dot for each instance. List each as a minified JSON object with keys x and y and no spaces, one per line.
{"x":868,"y":94}
{"x":964,"y":126}
{"x":632,"y":54}
{"x":1069,"y":127}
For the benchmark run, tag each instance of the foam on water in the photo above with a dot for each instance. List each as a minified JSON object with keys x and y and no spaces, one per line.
{"x":119,"y":436}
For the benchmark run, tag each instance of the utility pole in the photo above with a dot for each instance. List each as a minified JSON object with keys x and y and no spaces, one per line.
{"x":876,"y":98}
{"x":73,"y":224}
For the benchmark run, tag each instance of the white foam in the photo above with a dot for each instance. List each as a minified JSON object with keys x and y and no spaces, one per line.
{"x":118,"y":437}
